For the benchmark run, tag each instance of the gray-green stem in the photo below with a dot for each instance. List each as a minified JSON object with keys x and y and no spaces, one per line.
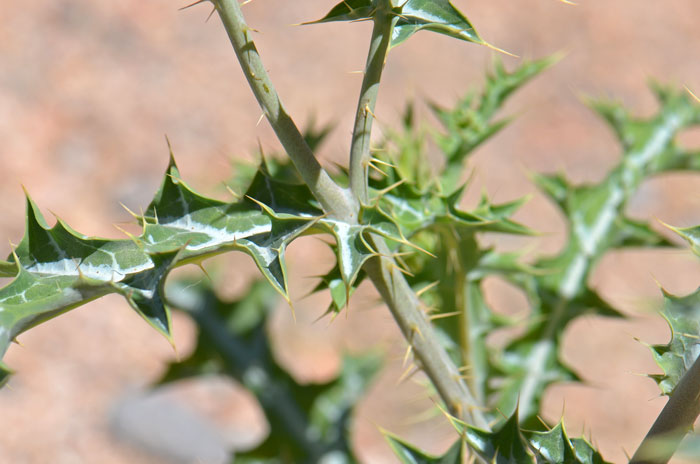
{"x":420,"y":334}
{"x":674,"y":422}
{"x":391,"y":284}
{"x":389,"y":281}
{"x":360,"y":146}
{"x":333,"y":198}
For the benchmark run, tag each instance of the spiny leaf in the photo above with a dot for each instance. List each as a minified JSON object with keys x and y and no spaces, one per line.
{"x":595,"y":212}
{"x":527,"y":367}
{"x":418,"y":212}
{"x":467,"y":124}
{"x":352,"y":247}
{"x":432,"y":15}
{"x":649,"y":143}
{"x":554,"y":446}
{"x":675,"y":357}
{"x":348,"y":10}
{"x":597,"y":224}
{"x":411,"y":16}
{"x":556,"y":187}
{"x":470,"y":122}
{"x":511,"y":444}
{"x":7,"y":269}
{"x":60,"y":269}
{"x":5,"y":371}
{"x":339,"y":291}
{"x":409,"y":454}
{"x":634,"y":233}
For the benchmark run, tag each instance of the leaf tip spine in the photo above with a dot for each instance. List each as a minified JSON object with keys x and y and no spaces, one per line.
{"x":695,"y":97}
{"x":497,"y":49}
{"x":191,"y":5}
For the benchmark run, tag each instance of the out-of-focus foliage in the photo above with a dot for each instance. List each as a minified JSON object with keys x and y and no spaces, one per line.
{"x":307,"y":423}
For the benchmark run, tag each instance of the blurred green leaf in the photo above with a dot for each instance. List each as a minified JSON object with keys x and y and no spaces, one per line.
{"x":308,"y":423}
{"x":595,"y":214}
{"x":409,"y":454}
{"x":676,"y":357}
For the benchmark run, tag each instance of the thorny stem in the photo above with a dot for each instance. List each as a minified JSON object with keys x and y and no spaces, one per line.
{"x":334,"y":199}
{"x":389,"y":281}
{"x":674,"y":422}
{"x":391,"y":284}
{"x":406,"y":309}
{"x":360,"y":145}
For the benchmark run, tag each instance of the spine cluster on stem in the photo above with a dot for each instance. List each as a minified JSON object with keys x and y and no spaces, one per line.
{"x":383,"y":271}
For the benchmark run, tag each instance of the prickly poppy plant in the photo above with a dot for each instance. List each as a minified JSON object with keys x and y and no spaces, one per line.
{"x":395,"y":219}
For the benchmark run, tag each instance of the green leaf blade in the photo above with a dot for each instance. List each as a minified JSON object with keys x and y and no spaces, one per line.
{"x":409,"y":454}
{"x":348,"y":10}
{"x":675,"y":358}
{"x":433,"y":15}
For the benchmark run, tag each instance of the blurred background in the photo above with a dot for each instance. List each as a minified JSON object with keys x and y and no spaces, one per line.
{"x":89,"y":89}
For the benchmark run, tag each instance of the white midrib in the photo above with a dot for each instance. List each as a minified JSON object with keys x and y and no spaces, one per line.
{"x":535,"y":369}
{"x":590,"y":236}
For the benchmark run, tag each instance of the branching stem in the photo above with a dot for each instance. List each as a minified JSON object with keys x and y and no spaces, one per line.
{"x":360,"y":146}
{"x":334,"y":199}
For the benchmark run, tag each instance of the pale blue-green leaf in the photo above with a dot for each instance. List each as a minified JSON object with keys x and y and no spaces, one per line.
{"x":180,"y":218}
{"x":60,"y":269}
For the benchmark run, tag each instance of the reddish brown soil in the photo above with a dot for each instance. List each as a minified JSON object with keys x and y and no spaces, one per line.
{"x":87,"y":90}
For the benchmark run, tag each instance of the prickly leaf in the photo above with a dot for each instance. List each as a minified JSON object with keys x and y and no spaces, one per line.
{"x":180,"y":218}
{"x":676,"y":357}
{"x":60,"y":269}
{"x":691,"y":235}
{"x":555,"y":447}
{"x":432,"y":15}
{"x":409,"y":454}
{"x":597,"y":224}
{"x":507,"y":445}
{"x":348,"y":10}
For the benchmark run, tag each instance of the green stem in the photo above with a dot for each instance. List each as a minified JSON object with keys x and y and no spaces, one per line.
{"x":391,"y":284}
{"x":674,"y":422}
{"x":334,"y":199}
{"x":360,"y":146}
{"x":458,"y":280}
{"x":420,"y":334}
